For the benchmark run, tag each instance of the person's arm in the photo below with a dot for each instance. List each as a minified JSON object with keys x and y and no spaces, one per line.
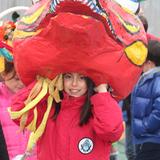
{"x":150,"y":123}
{"x":107,"y":115}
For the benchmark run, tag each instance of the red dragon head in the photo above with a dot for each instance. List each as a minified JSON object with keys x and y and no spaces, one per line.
{"x":99,"y":39}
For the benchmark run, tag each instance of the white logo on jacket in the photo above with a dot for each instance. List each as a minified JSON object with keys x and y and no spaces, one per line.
{"x":85,"y":145}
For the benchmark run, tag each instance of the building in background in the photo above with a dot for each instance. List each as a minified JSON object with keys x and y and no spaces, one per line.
{"x":6,"y":4}
{"x":151,"y":9}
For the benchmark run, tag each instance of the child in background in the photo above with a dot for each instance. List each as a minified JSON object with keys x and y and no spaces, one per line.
{"x":145,"y":107}
{"x":15,"y":141}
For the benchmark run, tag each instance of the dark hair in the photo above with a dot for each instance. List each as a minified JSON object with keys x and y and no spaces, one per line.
{"x":86,"y":112}
{"x":15,"y":16}
{"x":138,"y":9}
{"x":154,"y":51}
{"x":144,"y":22}
{"x":9,"y":66}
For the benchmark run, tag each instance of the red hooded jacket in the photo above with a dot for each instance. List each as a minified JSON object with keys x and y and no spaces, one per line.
{"x":64,"y":139}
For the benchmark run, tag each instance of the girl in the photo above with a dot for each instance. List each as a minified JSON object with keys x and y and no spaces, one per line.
{"x":16,"y":142}
{"x":83,"y":126}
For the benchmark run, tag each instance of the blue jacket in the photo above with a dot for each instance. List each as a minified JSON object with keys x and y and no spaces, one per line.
{"x":145,"y":106}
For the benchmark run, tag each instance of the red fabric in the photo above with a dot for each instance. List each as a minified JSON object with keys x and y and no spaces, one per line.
{"x":1,"y":32}
{"x":61,"y":137}
{"x":4,"y":45}
{"x":65,"y":47}
{"x":152,"y":37}
{"x":123,"y":34}
{"x":76,"y":39}
{"x":18,"y":101}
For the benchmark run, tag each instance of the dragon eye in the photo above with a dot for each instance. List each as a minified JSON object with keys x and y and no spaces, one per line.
{"x":136,"y":52}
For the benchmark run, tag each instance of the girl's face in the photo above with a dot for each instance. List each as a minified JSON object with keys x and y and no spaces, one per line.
{"x":12,"y":81}
{"x":74,"y":84}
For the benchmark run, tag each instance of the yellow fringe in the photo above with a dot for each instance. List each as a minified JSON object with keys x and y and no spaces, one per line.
{"x":2,"y":64}
{"x":39,"y":91}
{"x":23,"y":121}
{"x":35,"y":90}
{"x":38,"y":133}
{"x":31,"y":104}
{"x":30,"y":19}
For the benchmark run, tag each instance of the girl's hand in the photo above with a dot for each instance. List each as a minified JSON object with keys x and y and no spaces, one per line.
{"x":101,"y":88}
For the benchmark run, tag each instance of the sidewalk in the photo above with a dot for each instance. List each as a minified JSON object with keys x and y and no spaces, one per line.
{"x":121,"y":149}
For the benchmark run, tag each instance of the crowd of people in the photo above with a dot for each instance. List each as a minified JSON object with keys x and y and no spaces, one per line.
{"x":67,"y":113}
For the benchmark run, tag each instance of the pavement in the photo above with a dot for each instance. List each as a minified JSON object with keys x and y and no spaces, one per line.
{"x":121,"y":149}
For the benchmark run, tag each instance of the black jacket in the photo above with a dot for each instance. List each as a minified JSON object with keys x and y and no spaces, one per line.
{"x":3,"y":147}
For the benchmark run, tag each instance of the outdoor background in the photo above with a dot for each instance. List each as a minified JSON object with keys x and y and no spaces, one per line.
{"x":150,"y":8}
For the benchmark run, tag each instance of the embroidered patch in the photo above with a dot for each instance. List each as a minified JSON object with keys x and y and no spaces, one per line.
{"x":85,"y":145}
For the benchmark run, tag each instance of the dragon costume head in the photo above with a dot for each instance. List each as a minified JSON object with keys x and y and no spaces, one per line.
{"x":99,"y":39}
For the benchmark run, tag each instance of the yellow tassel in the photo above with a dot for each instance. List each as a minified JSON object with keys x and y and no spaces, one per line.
{"x":41,"y":88}
{"x":56,"y":95}
{"x":30,"y":19}
{"x":23,"y":121}
{"x":2,"y":64}
{"x":30,"y":105}
{"x":59,"y":82}
{"x":35,"y":90}
{"x":18,"y":34}
{"x":38,"y":133}
{"x":32,"y":125}
{"x":55,"y":86}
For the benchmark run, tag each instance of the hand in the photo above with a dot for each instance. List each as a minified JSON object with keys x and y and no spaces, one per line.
{"x":101,"y":88}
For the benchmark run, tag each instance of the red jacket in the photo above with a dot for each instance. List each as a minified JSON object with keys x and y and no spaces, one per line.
{"x":64,"y":139}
